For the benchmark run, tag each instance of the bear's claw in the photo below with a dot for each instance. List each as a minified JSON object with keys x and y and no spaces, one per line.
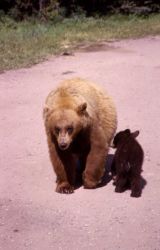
{"x":64,"y":188}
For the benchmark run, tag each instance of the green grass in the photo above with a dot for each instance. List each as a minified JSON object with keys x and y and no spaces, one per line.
{"x":26,"y":43}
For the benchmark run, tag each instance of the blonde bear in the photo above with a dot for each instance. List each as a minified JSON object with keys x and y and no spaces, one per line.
{"x":80,"y":121}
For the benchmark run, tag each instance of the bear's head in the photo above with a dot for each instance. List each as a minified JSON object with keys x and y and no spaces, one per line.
{"x":64,"y":124}
{"x":122,"y":136}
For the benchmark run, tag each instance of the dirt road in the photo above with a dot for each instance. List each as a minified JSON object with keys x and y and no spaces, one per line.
{"x":32,"y":215}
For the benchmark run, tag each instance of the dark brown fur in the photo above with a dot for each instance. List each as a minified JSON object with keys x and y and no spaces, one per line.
{"x":127,"y":163}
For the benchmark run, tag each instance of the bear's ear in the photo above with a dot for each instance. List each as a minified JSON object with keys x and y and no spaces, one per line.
{"x":135,"y":134}
{"x":82,"y":108}
{"x":46,"y":111}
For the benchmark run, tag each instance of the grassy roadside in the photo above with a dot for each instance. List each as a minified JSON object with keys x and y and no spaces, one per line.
{"x":26,"y":43}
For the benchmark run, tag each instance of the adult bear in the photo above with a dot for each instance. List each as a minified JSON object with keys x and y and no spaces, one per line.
{"x":80,"y":121}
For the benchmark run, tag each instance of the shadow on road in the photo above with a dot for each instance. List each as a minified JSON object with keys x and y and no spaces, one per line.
{"x":128,"y":187}
{"x":107,"y":176}
{"x":105,"y":179}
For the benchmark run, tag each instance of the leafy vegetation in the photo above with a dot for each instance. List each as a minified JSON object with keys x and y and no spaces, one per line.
{"x":25,"y":43}
{"x":32,"y":30}
{"x":49,"y":9}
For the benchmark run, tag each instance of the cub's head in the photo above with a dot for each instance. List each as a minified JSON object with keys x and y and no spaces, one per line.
{"x":65,"y":124}
{"x":122,"y":136}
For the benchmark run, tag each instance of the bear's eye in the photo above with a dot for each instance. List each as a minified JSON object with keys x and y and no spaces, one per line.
{"x":70,"y":129}
{"x":57,"y":130}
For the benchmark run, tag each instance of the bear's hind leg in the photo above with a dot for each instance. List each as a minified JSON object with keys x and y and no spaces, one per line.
{"x":120,"y":183}
{"x":136,"y":186}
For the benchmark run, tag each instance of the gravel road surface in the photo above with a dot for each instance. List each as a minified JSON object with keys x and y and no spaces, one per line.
{"x":32,"y":215}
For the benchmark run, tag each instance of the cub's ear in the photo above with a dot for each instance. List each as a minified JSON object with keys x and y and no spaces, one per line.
{"x":82,"y":108}
{"x":135,"y":134}
{"x":127,"y":131}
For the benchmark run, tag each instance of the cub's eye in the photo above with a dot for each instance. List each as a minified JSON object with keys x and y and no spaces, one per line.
{"x":57,"y":130}
{"x":70,"y":129}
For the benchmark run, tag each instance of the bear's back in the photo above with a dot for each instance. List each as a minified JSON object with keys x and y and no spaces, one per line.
{"x":78,"y":90}
{"x":130,"y":151}
{"x":100,"y":106}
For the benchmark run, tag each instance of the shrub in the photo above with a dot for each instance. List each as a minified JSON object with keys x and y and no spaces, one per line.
{"x":52,"y":9}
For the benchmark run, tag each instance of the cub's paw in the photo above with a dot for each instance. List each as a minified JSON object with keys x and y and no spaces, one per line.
{"x":64,"y":188}
{"x":136,"y":194}
{"x":119,"y":189}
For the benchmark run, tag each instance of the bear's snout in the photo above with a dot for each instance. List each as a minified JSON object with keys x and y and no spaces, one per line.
{"x":63,"y":145}
{"x":64,"y":142}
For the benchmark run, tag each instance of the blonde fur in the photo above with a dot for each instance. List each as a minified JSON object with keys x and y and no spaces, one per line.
{"x":98,"y":115}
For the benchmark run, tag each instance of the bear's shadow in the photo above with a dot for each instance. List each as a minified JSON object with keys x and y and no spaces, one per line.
{"x":143,"y":184}
{"x":107,"y":174}
{"x":106,"y":177}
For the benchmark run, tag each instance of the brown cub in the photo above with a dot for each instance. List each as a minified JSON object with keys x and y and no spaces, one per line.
{"x":127,"y":162}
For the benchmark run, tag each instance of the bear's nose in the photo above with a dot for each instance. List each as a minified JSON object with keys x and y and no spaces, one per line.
{"x":63,"y":145}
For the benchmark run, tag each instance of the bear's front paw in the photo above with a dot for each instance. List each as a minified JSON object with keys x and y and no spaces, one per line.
{"x":64,"y":188}
{"x":89,"y":184}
